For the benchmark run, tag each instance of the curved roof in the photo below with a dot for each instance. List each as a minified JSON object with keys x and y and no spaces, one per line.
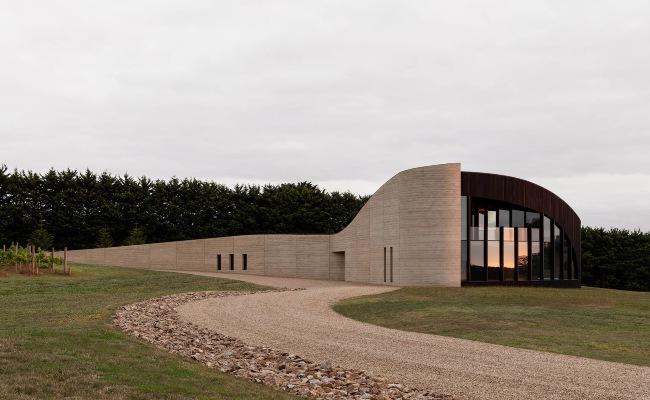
{"x":524,"y":194}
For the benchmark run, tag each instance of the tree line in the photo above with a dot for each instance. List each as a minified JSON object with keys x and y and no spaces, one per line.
{"x":84,"y":209}
{"x":616,"y":258}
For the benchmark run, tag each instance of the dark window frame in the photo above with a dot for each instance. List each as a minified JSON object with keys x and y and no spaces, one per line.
{"x":501,"y":250}
{"x":570,"y":271}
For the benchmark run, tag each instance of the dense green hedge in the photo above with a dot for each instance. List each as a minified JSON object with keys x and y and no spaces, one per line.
{"x":616,"y":258}
{"x":83,"y":210}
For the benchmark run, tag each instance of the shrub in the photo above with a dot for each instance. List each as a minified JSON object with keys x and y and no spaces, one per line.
{"x":104,"y":238}
{"x":41,"y":238}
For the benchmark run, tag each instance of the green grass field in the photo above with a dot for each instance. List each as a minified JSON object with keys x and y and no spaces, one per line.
{"x":56,"y":340}
{"x":589,"y":322}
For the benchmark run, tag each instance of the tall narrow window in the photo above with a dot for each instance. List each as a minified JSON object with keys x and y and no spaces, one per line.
{"x":463,"y":240}
{"x":534,"y":223}
{"x":522,"y":254}
{"x":535,"y":260}
{"x":477,"y":244}
{"x":384,"y":265}
{"x":565,"y":257}
{"x":504,"y":218}
{"x":391,"y":264}
{"x":557,"y":257}
{"x":548,"y":249}
{"x":492,"y":219}
{"x":478,"y":224}
{"x":508,"y":254}
{"x":569,"y":262}
{"x":547,"y":229}
{"x":517,"y":218}
{"x":493,"y":254}
{"x":244,"y":262}
{"x":218,"y":262}
{"x":477,"y":260}
{"x":232,"y":262}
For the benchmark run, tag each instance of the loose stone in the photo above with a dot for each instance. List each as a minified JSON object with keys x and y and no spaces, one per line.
{"x":156,"y":321}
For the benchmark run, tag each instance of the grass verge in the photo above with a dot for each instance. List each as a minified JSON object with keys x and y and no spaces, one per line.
{"x":605,"y":324}
{"x":57,"y":341}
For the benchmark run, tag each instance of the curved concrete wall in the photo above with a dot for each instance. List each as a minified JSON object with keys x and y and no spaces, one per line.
{"x":416,"y":214}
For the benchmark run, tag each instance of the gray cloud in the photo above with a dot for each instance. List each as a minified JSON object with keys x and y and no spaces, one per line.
{"x":340,"y":93}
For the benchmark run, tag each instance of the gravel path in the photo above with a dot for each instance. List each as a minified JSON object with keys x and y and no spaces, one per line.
{"x":157,"y":321}
{"x":302,"y":322}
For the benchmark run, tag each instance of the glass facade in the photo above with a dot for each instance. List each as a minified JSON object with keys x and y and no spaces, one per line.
{"x":574,"y":264}
{"x":494,"y":263}
{"x":522,"y":254}
{"x":463,"y":243}
{"x":536,"y":260}
{"x":517,"y":218}
{"x":565,"y":258}
{"x":503,"y":242}
{"x":504,"y":217}
{"x":477,"y":265}
{"x":508,"y":254}
{"x":557,"y":252}
{"x":547,"y":248}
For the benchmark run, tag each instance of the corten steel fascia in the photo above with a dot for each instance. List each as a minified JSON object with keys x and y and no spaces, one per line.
{"x":524,"y":194}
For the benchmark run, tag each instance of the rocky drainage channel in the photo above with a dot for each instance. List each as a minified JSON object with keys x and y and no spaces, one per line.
{"x":156,"y":321}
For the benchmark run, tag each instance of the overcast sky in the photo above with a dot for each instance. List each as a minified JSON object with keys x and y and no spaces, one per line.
{"x":341,"y":93}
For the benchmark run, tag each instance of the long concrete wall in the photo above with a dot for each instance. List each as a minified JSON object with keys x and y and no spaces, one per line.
{"x":407,"y":234}
{"x":303,"y":256}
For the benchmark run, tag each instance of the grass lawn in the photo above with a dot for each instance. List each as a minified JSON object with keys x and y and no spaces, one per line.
{"x":56,"y":340}
{"x":598,"y":323}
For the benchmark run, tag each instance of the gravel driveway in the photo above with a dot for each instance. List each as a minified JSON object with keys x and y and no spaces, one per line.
{"x":303,"y":323}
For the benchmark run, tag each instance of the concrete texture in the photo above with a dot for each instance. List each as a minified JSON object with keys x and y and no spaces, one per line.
{"x":302,"y":322}
{"x":415,"y":216}
{"x":417,"y":213}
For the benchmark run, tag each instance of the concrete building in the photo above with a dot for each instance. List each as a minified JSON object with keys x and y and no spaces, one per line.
{"x":427,"y":226}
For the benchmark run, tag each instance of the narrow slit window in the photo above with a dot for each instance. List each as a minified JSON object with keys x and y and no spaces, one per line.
{"x":391,"y":264}
{"x":244,"y":261}
{"x":218,"y":262}
{"x":232,"y":262}
{"x":384,"y":265}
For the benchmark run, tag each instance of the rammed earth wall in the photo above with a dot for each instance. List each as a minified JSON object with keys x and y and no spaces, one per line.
{"x":408,"y":234}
